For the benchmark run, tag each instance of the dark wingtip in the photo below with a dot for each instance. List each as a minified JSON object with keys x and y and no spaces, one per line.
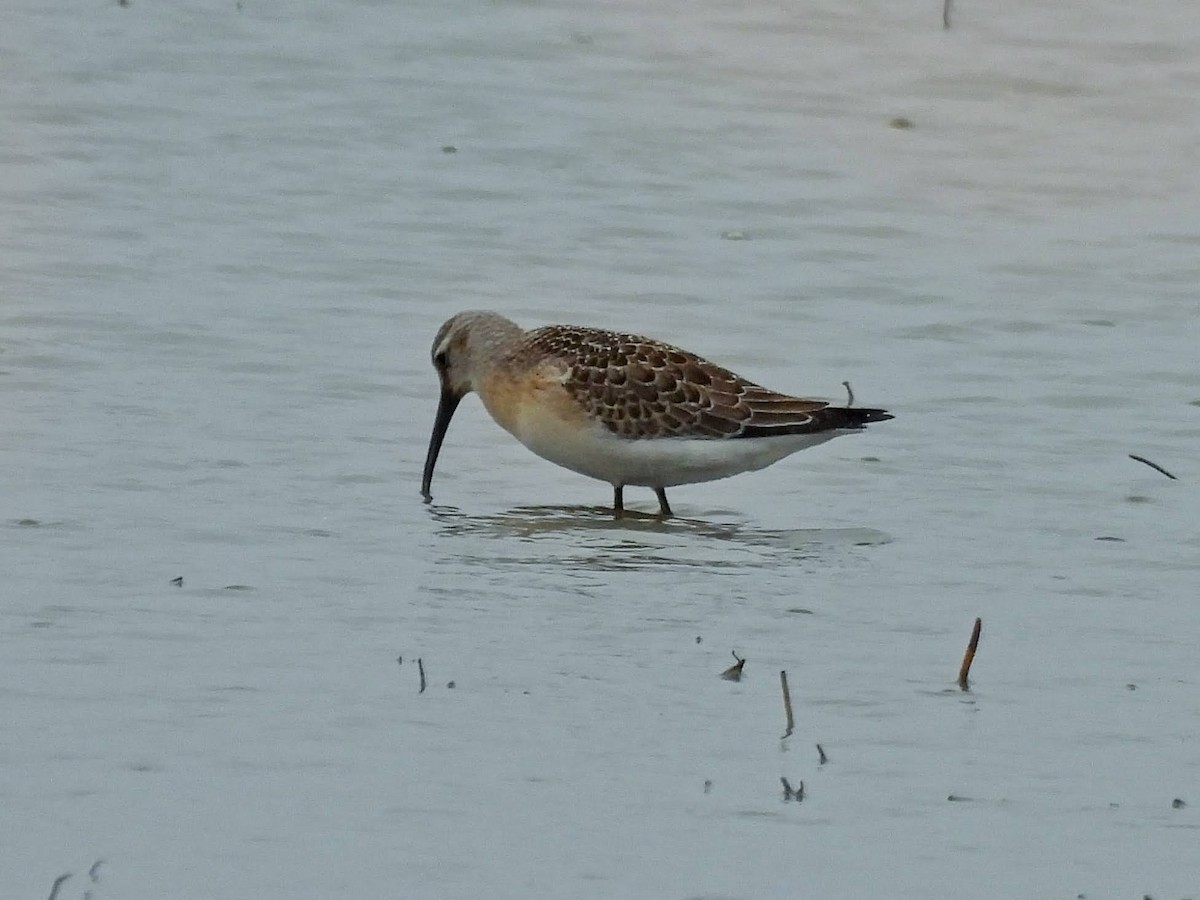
{"x":849,"y":417}
{"x":863,"y":416}
{"x":829,"y":418}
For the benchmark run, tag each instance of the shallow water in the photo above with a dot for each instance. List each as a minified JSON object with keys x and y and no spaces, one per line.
{"x":229,"y":235}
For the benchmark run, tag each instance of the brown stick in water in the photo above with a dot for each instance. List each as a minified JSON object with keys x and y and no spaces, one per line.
{"x":787,"y":703}
{"x":964,"y":670}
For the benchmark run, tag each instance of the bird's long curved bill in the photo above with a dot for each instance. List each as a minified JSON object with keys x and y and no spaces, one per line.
{"x":445,"y":412}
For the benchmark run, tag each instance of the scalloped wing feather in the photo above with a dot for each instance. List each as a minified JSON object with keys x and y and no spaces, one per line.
{"x":642,"y":388}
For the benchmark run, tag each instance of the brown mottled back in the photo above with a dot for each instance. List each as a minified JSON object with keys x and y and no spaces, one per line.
{"x":642,"y":388}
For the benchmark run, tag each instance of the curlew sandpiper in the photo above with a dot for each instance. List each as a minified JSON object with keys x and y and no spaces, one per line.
{"x":620,"y":408}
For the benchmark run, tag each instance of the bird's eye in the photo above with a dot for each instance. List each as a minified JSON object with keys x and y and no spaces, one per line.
{"x":440,"y":360}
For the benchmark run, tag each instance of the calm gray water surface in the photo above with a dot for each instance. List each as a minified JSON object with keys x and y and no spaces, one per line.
{"x":227,"y":238}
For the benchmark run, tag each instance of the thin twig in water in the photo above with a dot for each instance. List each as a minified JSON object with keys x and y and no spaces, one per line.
{"x":946,"y":14}
{"x":787,"y":703}
{"x":964,"y":670}
{"x":822,"y":758}
{"x":1155,"y":466}
{"x":58,"y":882}
{"x":94,"y":871}
{"x":849,"y":393}
{"x":421,"y":669}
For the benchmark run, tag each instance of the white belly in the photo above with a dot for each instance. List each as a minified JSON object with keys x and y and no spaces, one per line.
{"x":654,"y":462}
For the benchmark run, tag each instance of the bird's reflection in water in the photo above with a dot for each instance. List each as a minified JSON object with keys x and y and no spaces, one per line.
{"x":590,"y":536}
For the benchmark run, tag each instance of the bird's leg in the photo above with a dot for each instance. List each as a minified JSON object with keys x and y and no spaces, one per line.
{"x":664,"y":508}
{"x":618,"y":500}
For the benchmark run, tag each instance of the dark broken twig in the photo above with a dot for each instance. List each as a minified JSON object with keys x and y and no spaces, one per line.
{"x":734,"y":672}
{"x":58,"y":883}
{"x":1155,"y":466}
{"x":421,"y":669}
{"x":790,"y":793}
{"x":821,"y":757}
